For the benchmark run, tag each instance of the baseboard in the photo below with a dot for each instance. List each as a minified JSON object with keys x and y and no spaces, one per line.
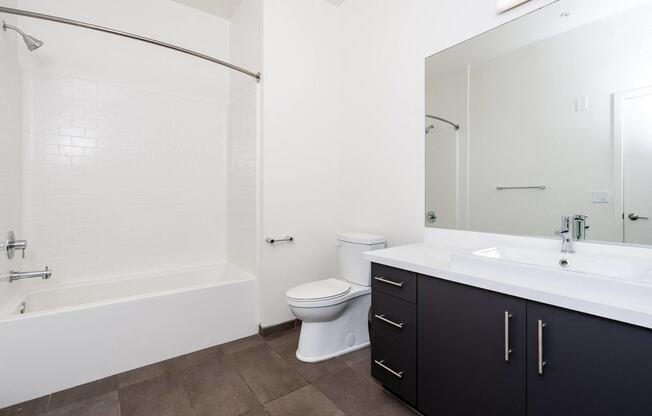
{"x":275,"y":329}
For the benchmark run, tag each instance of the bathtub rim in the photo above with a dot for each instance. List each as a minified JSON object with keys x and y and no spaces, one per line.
{"x":7,"y":314}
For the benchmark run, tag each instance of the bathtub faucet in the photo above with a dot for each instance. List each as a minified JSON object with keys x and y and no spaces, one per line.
{"x":43,"y":274}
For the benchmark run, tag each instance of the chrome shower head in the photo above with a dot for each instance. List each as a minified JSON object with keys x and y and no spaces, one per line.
{"x":30,"y":41}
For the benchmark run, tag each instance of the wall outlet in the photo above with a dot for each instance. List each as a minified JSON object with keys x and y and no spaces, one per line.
{"x":600,"y":197}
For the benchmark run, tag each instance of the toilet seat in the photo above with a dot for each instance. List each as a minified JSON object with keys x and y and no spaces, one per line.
{"x":321,"y":290}
{"x":349,"y":291}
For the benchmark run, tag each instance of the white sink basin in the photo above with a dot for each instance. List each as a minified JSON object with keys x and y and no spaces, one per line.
{"x":590,"y":264}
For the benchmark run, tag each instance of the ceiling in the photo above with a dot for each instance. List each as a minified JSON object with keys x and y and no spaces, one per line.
{"x":220,"y":8}
{"x":224,"y":8}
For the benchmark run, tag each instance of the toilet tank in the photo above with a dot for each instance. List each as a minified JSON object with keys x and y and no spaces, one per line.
{"x":353,"y":267}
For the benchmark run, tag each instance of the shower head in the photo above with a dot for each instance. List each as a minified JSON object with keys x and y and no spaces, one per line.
{"x":31,"y":42}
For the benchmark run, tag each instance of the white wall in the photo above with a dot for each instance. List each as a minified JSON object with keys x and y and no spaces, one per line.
{"x":343,"y":98}
{"x":10,"y":146}
{"x":302,"y":131}
{"x":124,"y":150}
{"x":246,"y":45}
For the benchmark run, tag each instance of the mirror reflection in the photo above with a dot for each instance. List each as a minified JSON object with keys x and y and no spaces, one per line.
{"x":545,"y":125}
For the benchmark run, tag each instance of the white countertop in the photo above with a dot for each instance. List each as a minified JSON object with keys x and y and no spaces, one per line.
{"x":623,"y":301}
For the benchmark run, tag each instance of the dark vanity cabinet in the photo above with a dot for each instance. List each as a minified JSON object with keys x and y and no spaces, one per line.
{"x":589,"y":365}
{"x":471,"y":351}
{"x":451,"y":349}
{"x":394,"y":331}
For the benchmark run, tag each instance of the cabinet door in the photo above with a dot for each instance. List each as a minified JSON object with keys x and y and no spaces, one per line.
{"x":463,"y":368}
{"x":593,"y":366}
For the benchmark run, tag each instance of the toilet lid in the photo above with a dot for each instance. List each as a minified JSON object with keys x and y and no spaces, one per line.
{"x":319,"y":290}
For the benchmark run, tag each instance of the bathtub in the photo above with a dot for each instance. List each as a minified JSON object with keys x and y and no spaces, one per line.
{"x":59,"y":336}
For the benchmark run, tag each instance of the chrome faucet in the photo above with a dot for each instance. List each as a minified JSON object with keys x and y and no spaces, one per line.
{"x":566,"y":235}
{"x":13,"y":276}
{"x":580,"y":225}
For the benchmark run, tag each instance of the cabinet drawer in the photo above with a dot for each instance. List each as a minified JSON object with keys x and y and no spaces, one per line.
{"x":396,"y":369}
{"x":394,"y":321}
{"x":395,"y":282}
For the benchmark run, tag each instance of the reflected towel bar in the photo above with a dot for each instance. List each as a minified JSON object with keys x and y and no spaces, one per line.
{"x":506,"y":188}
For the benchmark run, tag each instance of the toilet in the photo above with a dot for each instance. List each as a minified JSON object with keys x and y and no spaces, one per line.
{"x":334,"y":311}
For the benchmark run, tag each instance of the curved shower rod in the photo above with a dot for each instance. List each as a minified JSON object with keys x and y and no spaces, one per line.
{"x":34,"y":15}
{"x":456,"y":126}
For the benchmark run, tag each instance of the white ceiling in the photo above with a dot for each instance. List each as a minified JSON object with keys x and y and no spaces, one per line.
{"x":224,"y":8}
{"x":221,"y":8}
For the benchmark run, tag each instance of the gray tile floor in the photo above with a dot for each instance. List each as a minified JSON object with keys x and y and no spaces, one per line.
{"x":249,"y":377}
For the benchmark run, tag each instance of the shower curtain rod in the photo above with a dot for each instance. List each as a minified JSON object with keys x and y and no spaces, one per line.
{"x":85,"y":25}
{"x":457,"y":126}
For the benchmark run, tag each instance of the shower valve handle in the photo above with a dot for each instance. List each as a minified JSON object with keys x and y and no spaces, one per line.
{"x":11,"y":245}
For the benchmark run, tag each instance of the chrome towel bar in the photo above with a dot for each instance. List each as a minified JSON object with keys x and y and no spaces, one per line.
{"x":286,"y":239}
{"x":507,"y":188}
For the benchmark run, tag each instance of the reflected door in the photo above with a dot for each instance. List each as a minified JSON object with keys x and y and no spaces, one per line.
{"x":636,"y":114}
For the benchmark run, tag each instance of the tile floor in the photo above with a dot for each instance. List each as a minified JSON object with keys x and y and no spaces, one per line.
{"x":249,"y":377}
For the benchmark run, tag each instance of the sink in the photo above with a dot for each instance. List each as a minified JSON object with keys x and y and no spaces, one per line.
{"x":554,"y":261}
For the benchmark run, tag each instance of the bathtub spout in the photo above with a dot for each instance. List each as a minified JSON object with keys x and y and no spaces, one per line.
{"x":43,"y":274}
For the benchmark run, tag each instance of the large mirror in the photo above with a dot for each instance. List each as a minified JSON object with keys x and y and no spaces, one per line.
{"x":548,"y":116}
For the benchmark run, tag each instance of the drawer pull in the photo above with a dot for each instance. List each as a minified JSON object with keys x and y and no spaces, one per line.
{"x":382,"y":318}
{"x":384,"y":367}
{"x":389,"y":282}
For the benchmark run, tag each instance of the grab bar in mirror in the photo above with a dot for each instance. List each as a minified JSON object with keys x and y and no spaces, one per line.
{"x":506,"y":188}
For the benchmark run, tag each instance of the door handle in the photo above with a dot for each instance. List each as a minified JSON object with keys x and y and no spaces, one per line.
{"x":635,"y":217}
{"x":508,"y":350}
{"x":541,"y":363}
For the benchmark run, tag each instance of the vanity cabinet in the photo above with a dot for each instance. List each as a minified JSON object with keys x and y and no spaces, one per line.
{"x":471,"y":351}
{"x":394,"y":331}
{"x":591,"y":366}
{"x":455,"y":349}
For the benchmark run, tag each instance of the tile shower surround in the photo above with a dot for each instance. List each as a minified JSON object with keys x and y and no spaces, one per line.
{"x":114,"y":177}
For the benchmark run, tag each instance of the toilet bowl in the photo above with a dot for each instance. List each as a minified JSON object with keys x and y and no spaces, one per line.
{"x":334,"y":311}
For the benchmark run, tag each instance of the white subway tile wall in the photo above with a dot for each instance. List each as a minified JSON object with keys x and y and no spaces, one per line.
{"x":241,"y":209}
{"x":119,"y":180}
{"x":10,"y":150}
{"x":245,"y":45}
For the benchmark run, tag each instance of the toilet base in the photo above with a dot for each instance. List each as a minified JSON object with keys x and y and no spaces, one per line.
{"x":320,"y":341}
{"x":328,"y":357}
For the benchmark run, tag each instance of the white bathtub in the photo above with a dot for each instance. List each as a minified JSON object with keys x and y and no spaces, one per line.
{"x":71,"y":334}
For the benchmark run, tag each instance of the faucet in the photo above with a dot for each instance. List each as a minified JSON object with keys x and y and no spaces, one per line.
{"x":566,"y":235}
{"x":43,"y":274}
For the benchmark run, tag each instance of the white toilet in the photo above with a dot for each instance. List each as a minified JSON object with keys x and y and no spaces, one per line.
{"x":334,"y":311}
